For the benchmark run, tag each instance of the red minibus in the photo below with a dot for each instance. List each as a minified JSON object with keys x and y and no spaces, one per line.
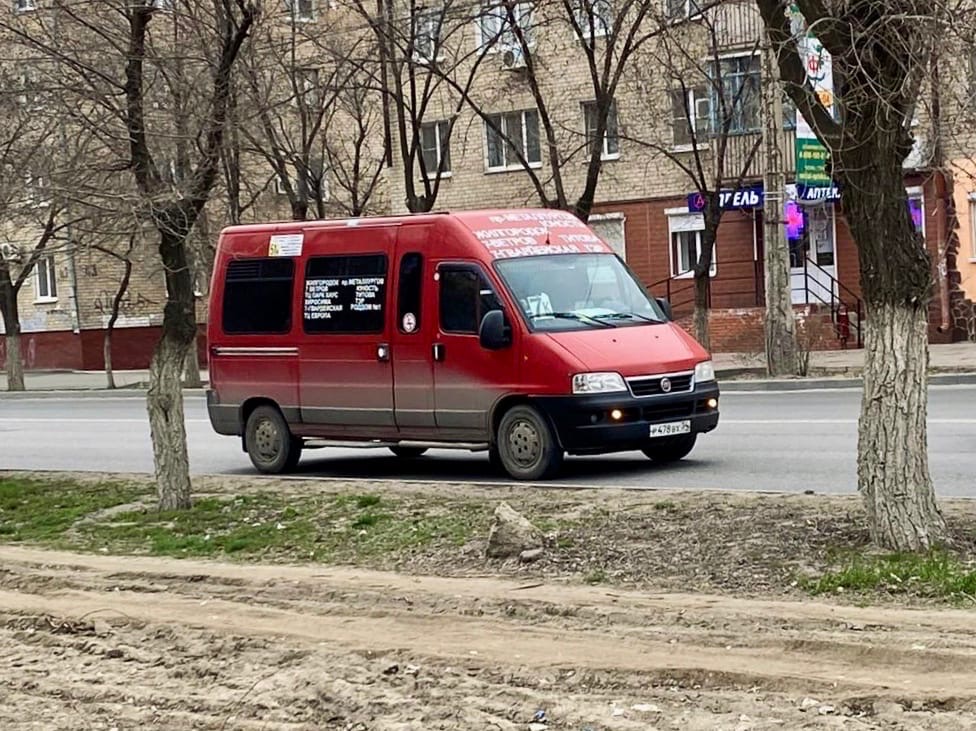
{"x":519,"y":332}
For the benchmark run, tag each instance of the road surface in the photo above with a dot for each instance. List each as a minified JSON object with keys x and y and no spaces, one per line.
{"x":790,"y":441}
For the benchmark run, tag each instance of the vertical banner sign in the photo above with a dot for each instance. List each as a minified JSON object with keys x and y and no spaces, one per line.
{"x":811,"y":156}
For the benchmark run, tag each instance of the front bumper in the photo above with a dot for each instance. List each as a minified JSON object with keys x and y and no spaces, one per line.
{"x":584,"y":426}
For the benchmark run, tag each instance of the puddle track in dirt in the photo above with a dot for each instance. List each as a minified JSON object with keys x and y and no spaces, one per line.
{"x":144,"y":642}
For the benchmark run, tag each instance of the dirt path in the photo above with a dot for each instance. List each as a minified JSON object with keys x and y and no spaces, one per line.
{"x":126,"y":643}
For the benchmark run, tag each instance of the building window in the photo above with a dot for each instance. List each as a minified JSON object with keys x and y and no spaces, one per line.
{"x":739,"y":78}
{"x":427,"y":34}
{"x":691,"y":113}
{"x":301,"y":10}
{"x":25,"y":6}
{"x":46,"y":280}
{"x":595,"y":17}
{"x":685,"y":231}
{"x":681,"y":9}
{"x":436,"y":148}
{"x":972,"y":225}
{"x":345,"y":294}
{"x":916,"y":207}
{"x":610,"y":144}
{"x":307,"y":86}
{"x":494,"y":26}
{"x":510,"y":134}
{"x":257,"y":296}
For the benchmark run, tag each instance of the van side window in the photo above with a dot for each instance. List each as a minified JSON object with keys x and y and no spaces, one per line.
{"x":465,"y":296}
{"x":345,"y":294}
{"x":408,"y":297}
{"x":257,"y":296}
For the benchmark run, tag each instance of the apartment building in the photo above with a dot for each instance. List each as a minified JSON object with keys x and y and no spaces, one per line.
{"x":505,"y":107}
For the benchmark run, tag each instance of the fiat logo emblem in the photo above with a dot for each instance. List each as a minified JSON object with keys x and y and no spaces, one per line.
{"x":666,"y":385}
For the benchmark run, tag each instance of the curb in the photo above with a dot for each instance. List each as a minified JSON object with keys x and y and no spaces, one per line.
{"x":828,"y":383}
{"x":103,"y":393}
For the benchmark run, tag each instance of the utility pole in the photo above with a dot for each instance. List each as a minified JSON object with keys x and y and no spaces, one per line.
{"x":780,"y":327}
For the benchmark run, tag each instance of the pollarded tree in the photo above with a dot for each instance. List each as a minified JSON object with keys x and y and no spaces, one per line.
{"x":880,"y":51}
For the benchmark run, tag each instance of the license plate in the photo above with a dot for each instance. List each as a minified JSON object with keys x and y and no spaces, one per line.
{"x":670,"y":429}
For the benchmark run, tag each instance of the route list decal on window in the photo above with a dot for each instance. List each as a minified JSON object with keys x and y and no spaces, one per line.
{"x":345,"y":294}
{"x":535,"y":233}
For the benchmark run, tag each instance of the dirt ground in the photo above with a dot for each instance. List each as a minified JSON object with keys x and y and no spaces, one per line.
{"x":108,"y":642}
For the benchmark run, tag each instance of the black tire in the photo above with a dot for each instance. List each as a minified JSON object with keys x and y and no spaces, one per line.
{"x":527,"y":447}
{"x":495,"y":460}
{"x":670,"y":449}
{"x":408,"y":452}
{"x":270,"y":444}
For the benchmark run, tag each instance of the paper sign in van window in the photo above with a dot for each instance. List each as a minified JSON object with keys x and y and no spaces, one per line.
{"x":536,"y":233}
{"x":286,"y":245}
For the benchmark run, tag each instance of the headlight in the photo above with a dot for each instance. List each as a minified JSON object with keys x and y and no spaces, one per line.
{"x":704,"y":371}
{"x":598,"y":383}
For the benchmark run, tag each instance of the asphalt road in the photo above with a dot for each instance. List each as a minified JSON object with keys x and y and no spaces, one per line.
{"x":790,"y":441}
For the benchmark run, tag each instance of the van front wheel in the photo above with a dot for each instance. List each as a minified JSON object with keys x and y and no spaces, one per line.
{"x":270,"y":444}
{"x":527,"y":447}
{"x":670,"y":449}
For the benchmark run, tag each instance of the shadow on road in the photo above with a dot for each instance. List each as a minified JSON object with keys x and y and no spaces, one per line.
{"x":462,"y":467}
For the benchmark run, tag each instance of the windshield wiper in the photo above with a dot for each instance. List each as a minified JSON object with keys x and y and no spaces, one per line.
{"x":628,"y":316}
{"x":572,"y":316}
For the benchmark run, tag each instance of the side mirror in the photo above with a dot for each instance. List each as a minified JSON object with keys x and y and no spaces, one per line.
{"x":494,"y":333}
{"x":666,"y":306}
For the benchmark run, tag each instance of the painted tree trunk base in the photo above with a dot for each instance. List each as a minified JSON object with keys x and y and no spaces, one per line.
{"x":165,"y":405}
{"x":892,"y":470}
{"x":700,"y":318}
{"x":15,"y":364}
{"x":107,"y":356}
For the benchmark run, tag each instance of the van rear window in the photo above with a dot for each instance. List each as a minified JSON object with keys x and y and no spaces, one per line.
{"x":257,"y":296}
{"x":345,"y":294}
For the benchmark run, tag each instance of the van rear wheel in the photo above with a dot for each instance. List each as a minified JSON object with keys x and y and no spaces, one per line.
{"x":527,"y":447}
{"x":670,"y":449}
{"x":272,"y":447}
{"x":408,"y":452}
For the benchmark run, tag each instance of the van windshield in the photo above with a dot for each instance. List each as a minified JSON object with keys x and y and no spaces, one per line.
{"x":577,"y":292}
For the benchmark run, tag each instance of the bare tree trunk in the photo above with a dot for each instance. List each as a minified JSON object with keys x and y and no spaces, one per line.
{"x":701,"y":310}
{"x":892,"y":465}
{"x":779,"y":325}
{"x":165,"y":397}
{"x":113,"y":318}
{"x":191,"y":368}
{"x":892,"y":456}
{"x":11,"y":323}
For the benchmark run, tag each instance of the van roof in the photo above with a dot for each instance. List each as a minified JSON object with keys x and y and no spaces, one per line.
{"x":466,"y":217}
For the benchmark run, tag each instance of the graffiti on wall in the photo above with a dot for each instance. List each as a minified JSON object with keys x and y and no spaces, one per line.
{"x":130,"y":303}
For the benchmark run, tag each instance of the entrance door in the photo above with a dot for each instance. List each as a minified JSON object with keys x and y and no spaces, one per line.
{"x":813,"y":251}
{"x":412,"y":331}
{"x":468,"y":379}
{"x":346,"y":377}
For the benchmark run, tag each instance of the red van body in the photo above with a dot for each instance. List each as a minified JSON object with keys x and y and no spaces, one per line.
{"x":519,"y":332}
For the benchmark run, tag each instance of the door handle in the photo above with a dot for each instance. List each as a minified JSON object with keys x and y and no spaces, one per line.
{"x":383,"y":352}
{"x":439,"y":352}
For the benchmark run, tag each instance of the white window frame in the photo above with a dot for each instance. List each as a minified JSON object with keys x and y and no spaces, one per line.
{"x":516,"y":165}
{"x":492,"y":9}
{"x":605,"y":153}
{"x":51,"y":272}
{"x":714,"y":110}
{"x":614,"y":216}
{"x":972,"y":227}
{"x":307,"y":83}
{"x":438,"y":137}
{"x":602,"y":13}
{"x":681,"y":220}
{"x":691,"y":104}
{"x":691,"y":10}
{"x":917,"y":192}
{"x":295,"y":10}
{"x":25,"y":6}
{"x":428,"y":24}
